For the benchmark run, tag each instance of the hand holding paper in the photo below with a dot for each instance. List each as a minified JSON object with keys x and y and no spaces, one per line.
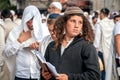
{"x":46,"y":65}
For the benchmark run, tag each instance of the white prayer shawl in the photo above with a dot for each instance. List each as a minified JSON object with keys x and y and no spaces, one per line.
{"x":17,"y":21}
{"x":44,"y":43}
{"x":2,"y":39}
{"x":29,"y":13}
{"x":113,"y":52}
{"x":45,"y":29}
{"x":103,"y":43}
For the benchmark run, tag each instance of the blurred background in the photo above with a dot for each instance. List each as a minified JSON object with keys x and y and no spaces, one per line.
{"x":87,"y":5}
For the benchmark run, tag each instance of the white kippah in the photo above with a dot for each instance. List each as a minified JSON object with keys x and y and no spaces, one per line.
{"x":57,"y":5}
{"x":12,"y":12}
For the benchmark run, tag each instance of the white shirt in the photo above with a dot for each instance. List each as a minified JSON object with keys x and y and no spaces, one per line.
{"x":117,"y":28}
{"x":18,"y":21}
{"x":2,"y":36}
{"x":97,"y":37}
{"x":103,"y":38}
{"x":117,"y":31}
{"x":45,"y":31}
{"x":26,"y":61}
{"x":2,"y":42}
{"x":44,"y":43}
{"x":9,"y":25}
{"x":63,"y":48}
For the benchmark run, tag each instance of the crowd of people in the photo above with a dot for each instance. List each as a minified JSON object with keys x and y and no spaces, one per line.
{"x":81,"y":46}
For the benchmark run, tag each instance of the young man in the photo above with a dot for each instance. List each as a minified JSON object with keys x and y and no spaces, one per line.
{"x":72,"y":53}
{"x":46,"y":40}
{"x":4,"y":72}
{"x":103,"y":41}
{"x":18,"y":49}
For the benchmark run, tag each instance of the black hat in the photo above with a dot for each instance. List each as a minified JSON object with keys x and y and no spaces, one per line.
{"x":105,"y":11}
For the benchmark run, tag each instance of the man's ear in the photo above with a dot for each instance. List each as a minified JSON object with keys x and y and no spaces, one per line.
{"x":11,"y":17}
{"x":2,"y":17}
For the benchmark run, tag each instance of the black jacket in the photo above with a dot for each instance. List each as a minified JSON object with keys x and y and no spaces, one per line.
{"x":79,"y":60}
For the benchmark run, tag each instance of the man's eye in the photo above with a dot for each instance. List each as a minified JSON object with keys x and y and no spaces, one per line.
{"x":80,"y":22}
{"x":72,"y":20}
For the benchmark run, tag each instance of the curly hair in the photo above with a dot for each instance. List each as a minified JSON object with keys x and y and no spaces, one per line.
{"x":60,"y":24}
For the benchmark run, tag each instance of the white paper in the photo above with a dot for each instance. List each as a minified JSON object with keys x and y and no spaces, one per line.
{"x":49,"y":65}
{"x":52,"y":69}
{"x":39,"y":55}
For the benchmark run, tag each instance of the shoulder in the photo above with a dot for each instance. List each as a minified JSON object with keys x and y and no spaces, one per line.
{"x":51,"y":44}
{"x":46,"y":40}
{"x":117,"y":28}
{"x":17,"y":29}
{"x":1,"y":27}
{"x":82,"y":42}
{"x":88,"y":49}
{"x":15,"y":32}
{"x":85,"y":44}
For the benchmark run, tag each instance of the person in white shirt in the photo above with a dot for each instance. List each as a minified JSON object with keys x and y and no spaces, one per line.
{"x":103,"y":41}
{"x":117,"y":41}
{"x":8,"y":20}
{"x":116,"y":18}
{"x":46,"y":40}
{"x":18,"y":49}
{"x":4,"y":72}
{"x":18,"y":19}
{"x":2,"y":35}
{"x":55,"y":7}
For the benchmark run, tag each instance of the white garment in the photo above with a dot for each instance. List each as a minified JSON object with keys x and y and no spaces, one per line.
{"x":2,"y":36}
{"x":97,"y":38}
{"x":44,"y":43}
{"x":2,"y":41}
{"x":9,"y":25}
{"x":93,"y":26}
{"x":117,"y":28}
{"x":17,"y":21}
{"x":29,"y":13}
{"x":117,"y":31}
{"x":63,"y":48}
{"x":26,"y":62}
{"x":1,"y":21}
{"x":45,"y":29}
{"x":103,"y":38}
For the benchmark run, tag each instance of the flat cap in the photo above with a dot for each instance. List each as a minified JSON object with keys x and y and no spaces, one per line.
{"x":73,"y":10}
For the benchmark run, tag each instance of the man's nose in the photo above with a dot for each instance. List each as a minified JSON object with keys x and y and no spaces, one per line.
{"x":76,"y":24}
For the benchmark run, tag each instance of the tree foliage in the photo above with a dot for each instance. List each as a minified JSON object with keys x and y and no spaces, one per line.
{"x":6,"y":4}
